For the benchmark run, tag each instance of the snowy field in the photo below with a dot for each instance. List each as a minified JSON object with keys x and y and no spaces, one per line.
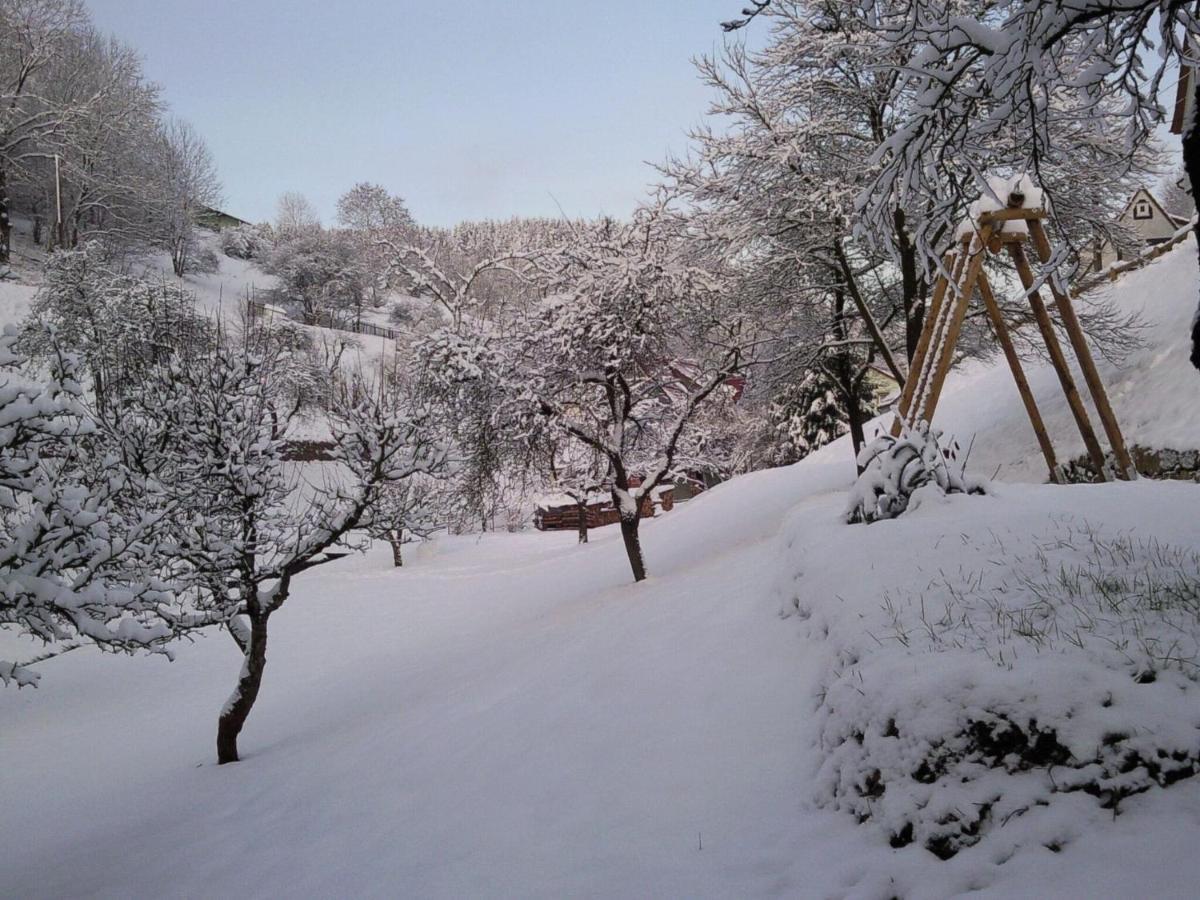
{"x":508,"y":716}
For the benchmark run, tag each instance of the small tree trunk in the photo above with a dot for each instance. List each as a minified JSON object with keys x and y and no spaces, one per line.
{"x":855,"y":419}
{"x":238,"y":706}
{"x":5,"y":222}
{"x":633,"y":546}
{"x":396,"y":539}
{"x":583,"y":523}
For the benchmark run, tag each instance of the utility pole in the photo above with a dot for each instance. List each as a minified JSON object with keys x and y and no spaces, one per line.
{"x":59,"y":231}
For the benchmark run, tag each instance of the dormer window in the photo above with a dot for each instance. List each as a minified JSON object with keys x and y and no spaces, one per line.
{"x":1142,"y":210}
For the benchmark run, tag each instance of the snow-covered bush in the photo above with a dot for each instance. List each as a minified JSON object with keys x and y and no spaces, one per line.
{"x":894,"y":468}
{"x":1044,"y":670}
{"x":203,"y":261}
{"x":414,"y":313}
{"x":244,"y":241}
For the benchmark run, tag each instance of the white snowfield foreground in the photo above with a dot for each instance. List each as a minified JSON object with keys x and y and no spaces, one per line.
{"x":509,"y":717}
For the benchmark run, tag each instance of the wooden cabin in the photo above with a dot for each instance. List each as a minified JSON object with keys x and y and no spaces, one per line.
{"x":560,"y":513}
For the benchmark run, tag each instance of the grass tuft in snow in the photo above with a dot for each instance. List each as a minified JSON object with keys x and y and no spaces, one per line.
{"x":1057,"y":664}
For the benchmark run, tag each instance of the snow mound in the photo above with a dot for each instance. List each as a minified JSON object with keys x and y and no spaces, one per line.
{"x":1001,"y":671}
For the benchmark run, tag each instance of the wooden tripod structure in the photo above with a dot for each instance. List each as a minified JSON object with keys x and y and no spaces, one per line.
{"x":962,"y":273}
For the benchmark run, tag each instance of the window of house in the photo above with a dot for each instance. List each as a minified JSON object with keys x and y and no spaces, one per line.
{"x":1141,"y":210}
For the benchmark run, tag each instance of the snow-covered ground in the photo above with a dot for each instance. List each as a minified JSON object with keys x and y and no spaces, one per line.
{"x":509,"y":716}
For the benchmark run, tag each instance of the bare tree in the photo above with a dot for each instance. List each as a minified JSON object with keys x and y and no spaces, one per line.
{"x":188,"y":184}
{"x":294,"y":212}
{"x":32,"y":34}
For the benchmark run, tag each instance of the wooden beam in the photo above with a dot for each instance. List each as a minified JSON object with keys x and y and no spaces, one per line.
{"x":1041,"y":243}
{"x":1008,"y":215}
{"x":1018,"y":374}
{"x":1091,"y":375}
{"x":959,"y":312}
{"x":1046,"y":326}
{"x":918,"y":375}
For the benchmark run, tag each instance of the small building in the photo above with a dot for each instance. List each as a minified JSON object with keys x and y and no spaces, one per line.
{"x":1145,"y":215}
{"x":559,"y":512}
{"x":217,"y":220}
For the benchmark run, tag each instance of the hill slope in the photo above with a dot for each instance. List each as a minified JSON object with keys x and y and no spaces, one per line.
{"x":508,"y":716}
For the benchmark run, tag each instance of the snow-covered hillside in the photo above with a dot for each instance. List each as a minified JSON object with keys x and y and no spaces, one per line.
{"x":508,"y":716}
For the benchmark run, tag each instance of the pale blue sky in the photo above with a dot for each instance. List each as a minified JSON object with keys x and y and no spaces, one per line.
{"x":467,"y":109}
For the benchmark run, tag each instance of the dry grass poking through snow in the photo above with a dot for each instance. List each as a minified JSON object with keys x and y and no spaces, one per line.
{"x":1031,"y":671}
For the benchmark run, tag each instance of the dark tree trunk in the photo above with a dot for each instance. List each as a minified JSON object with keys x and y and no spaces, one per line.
{"x":397,"y":541}
{"x":841,"y":369}
{"x":633,"y":546}
{"x":238,"y":707}
{"x":910,"y":283}
{"x":5,"y":221}
{"x":855,"y":418}
{"x":1191,"y":163}
{"x":583,"y":523}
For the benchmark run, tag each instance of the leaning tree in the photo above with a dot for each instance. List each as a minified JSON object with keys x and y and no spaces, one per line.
{"x":213,"y":429}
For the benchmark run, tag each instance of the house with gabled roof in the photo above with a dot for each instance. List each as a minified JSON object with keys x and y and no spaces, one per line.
{"x":1146,"y":216}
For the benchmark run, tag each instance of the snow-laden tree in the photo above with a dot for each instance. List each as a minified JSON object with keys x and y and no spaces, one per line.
{"x":1045,"y":81}
{"x":295,"y":212}
{"x":371,"y":215}
{"x":244,"y":525}
{"x":32,"y":34}
{"x":119,"y":325}
{"x":80,"y":536}
{"x":461,"y":375}
{"x":631,"y":340}
{"x":457,"y":283}
{"x":807,"y":416}
{"x":369,"y":208}
{"x":577,"y":471}
{"x":320,"y":274}
{"x":408,"y":511}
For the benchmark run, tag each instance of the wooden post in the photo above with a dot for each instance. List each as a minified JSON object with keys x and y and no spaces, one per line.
{"x":1087,"y":365}
{"x":1041,"y":243}
{"x":1046,"y":326}
{"x":959,"y":312}
{"x":1018,"y":373}
{"x":918,"y":372}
